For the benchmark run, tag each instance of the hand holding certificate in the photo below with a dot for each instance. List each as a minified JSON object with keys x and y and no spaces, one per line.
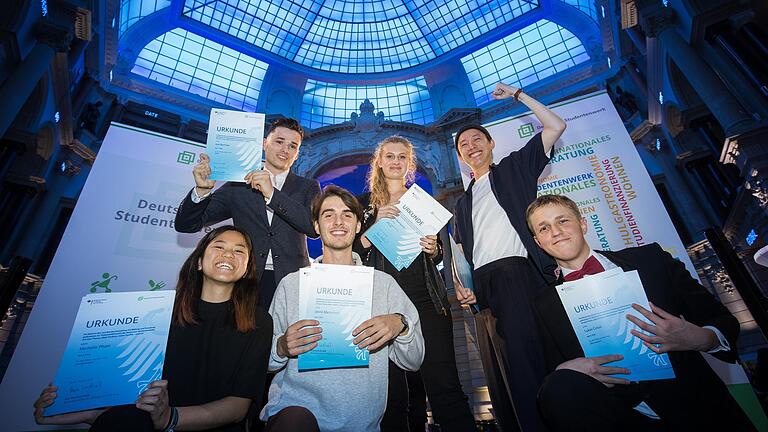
{"x":463,"y":273}
{"x":116,"y":348}
{"x":398,"y":238}
{"x":339,"y":298}
{"x":234,"y":144}
{"x":597,"y":307}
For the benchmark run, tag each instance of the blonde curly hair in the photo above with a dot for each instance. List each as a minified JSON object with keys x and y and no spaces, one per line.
{"x":377,"y":184}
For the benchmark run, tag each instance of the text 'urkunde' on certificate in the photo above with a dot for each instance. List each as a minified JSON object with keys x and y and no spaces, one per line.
{"x":340,"y":298}
{"x":234,"y":144}
{"x":597,"y":307}
{"x":115,"y":349}
{"x":398,"y":238}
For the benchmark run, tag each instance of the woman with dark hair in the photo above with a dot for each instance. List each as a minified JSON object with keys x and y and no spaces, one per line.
{"x":393,"y":168}
{"x":217,"y":352}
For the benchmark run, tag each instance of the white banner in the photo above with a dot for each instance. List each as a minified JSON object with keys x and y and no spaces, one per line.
{"x":120,"y":238}
{"x":595,"y":163}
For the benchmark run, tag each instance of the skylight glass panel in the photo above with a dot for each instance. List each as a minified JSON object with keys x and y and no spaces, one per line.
{"x":586,"y":6}
{"x":328,"y":103}
{"x":523,"y":58}
{"x":197,"y":65}
{"x":131,"y":11}
{"x":356,"y":36}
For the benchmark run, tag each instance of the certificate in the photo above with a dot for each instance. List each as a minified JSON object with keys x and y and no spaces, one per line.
{"x":462,"y":270}
{"x":340,"y":298}
{"x":398,"y":238}
{"x":597,"y":307}
{"x":115,"y":349}
{"x":234,"y":144}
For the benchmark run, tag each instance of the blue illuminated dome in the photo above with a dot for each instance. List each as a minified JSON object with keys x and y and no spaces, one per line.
{"x":342,"y":52}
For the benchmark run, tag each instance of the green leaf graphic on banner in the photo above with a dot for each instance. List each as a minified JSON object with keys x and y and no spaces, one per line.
{"x":107,"y":278}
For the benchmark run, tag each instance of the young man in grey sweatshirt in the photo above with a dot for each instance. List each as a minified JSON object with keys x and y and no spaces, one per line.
{"x":338,"y":399}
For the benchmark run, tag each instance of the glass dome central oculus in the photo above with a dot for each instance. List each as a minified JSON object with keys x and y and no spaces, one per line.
{"x":356,"y":36}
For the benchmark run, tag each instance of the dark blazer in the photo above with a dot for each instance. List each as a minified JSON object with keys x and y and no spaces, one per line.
{"x":668,"y":285}
{"x":513,"y":181}
{"x":291,"y":223}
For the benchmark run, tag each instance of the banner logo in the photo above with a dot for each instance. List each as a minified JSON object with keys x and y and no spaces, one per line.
{"x":186,"y":157}
{"x":525,"y":130}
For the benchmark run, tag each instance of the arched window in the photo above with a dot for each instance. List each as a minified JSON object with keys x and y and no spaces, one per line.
{"x":197,"y":65}
{"x":328,"y":103}
{"x":131,"y":11}
{"x":526,"y":56}
{"x":356,"y":36}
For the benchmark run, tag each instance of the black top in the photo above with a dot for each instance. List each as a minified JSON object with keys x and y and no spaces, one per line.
{"x":212,"y":360}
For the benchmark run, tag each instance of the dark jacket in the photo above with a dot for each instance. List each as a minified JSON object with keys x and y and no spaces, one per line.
{"x":286,"y":236}
{"x":433,"y":281}
{"x":514,"y":182}
{"x":668,"y":285}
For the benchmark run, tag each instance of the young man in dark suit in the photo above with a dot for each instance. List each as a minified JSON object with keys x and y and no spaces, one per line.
{"x":507,"y":267}
{"x":272,"y":206}
{"x":582,"y":393}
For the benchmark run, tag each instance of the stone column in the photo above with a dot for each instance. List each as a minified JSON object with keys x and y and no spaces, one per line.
{"x":660,"y":24}
{"x":18,"y":87}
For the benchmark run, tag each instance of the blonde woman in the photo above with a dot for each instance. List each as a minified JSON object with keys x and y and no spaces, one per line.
{"x":392,"y":171}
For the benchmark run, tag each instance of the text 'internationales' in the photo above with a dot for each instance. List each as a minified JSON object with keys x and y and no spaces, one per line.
{"x":576,"y":150}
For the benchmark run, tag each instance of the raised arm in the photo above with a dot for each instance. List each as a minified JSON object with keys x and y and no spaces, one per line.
{"x":552,"y":123}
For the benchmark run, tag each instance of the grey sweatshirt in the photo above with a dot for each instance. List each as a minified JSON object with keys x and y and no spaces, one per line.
{"x":342,"y":399}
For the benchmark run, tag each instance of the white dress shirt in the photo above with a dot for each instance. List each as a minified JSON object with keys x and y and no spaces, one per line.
{"x":495,"y":237}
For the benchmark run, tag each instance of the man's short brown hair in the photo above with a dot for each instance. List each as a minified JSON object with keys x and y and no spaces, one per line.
{"x":287,"y":123}
{"x":545,"y":200}
{"x":346,"y":197}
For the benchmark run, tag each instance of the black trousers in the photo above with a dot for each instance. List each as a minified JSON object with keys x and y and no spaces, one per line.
{"x":493,"y":355}
{"x":506,"y":287}
{"x":599,"y":408}
{"x":267,"y":287}
{"x":447,"y":400}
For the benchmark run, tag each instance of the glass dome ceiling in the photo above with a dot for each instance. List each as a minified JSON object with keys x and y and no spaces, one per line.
{"x":341,"y":52}
{"x":356,"y":36}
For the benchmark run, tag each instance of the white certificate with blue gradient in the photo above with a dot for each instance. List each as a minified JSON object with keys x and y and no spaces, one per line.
{"x":340,"y":298}
{"x":398,"y":238}
{"x":234,"y":144}
{"x":597,"y":307}
{"x":463,"y":270}
{"x":115,"y":349}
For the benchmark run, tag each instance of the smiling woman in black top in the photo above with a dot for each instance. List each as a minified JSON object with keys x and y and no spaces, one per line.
{"x":217,"y":352}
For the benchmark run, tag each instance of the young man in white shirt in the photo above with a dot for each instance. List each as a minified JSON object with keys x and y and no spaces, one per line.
{"x":507,"y":267}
